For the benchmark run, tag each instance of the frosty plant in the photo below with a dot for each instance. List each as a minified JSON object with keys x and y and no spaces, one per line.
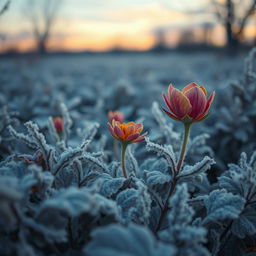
{"x":126,"y":133}
{"x":187,"y":106}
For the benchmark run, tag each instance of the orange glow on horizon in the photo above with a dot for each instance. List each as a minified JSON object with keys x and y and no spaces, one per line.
{"x":76,"y":43}
{"x":136,"y":41}
{"x":123,"y":25}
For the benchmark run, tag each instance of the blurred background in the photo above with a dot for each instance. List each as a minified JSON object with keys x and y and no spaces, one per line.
{"x":50,"y":26}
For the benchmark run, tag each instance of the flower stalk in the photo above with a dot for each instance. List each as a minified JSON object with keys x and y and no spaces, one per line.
{"x":184,"y":145}
{"x":179,"y":166}
{"x":124,"y":147}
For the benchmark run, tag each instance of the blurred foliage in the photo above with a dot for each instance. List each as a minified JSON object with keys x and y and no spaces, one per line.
{"x":62,"y":193}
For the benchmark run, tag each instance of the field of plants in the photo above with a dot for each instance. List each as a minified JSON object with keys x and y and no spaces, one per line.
{"x":94,"y":161}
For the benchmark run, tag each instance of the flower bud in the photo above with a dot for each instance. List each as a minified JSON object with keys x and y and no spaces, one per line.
{"x":189,"y":105}
{"x":115,"y":115}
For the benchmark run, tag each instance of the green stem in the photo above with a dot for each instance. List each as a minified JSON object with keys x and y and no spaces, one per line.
{"x":165,"y":209}
{"x":174,"y":180}
{"x":124,"y":147}
{"x":184,"y":145}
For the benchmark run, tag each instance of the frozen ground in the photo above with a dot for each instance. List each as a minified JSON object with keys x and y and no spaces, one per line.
{"x":64,"y":194}
{"x":206,"y":68}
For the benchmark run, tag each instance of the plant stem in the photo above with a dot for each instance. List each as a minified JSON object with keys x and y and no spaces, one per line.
{"x":184,"y":145}
{"x":174,"y":180}
{"x":165,"y":209}
{"x":124,"y":147}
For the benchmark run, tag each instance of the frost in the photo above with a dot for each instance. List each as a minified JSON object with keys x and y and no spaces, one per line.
{"x":222,"y":205}
{"x":133,"y":240}
{"x":64,"y":193}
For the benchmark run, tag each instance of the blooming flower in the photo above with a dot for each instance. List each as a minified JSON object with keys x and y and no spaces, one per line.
{"x":115,"y":115}
{"x":58,"y":124}
{"x":127,"y":132}
{"x":190,"y":104}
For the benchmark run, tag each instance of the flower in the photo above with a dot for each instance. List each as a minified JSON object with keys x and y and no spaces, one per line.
{"x":115,"y":115}
{"x":127,"y":132}
{"x":189,"y":105}
{"x":58,"y":124}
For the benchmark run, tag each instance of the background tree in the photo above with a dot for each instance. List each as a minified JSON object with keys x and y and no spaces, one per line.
{"x":234,"y":15}
{"x":160,"y":39}
{"x":5,"y":7}
{"x":41,"y":15}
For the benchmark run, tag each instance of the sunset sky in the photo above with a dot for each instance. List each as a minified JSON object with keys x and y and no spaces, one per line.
{"x":105,"y":24}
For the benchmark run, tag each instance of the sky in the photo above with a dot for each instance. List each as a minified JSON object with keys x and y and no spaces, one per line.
{"x":106,"y":24}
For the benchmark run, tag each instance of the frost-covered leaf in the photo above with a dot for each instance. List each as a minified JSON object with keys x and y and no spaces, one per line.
{"x":181,"y":213}
{"x":187,"y":238}
{"x":39,"y":139}
{"x":245,"y":225}
{"x":133,"y":240}
{"x":50,"y":234}
{"x":66,"y":158}
{"x":165,"y":151}
{"x":157,"y":178}
{"x":72,"y":201}
{"x":222,"y":205}
{"x":153,"y":164}
{"x":197,"y":169}
{"x":9,"y":196}
{"x":240,"y":179}
{"x":22,"y":137}
{"x":135,"y":203}
{"x":109,"y":186}
{"x":95,"y":162}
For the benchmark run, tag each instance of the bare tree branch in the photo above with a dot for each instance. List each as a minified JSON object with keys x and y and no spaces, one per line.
{"x":5,"y":7}
{"x":218,"y":12}
{"x":249,"y":12}
{"x":41,"y":16}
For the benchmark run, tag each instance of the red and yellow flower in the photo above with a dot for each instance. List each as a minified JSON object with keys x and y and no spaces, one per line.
{"x":190,"y":104}
{"x":127,"y":132}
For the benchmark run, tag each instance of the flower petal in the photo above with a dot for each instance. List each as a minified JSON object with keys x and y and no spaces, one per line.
{"x":180,"y":104}
{"x":167,"y":102}
{"x":207,"y":107}
{"x":118,"y":132}
{"x":170,"y":114}
{"x":204,"y":90}
{"x":133,"y":136}
{"x":197,"y":99}
{"x":188,"y":87}
{"x":117,"y":115}
{"x":129,"y":130}
{"x":111,"y":129}
{"x":140,"y":138}
{"x":139,"y":127}
{"x":114,"y":123}
{"x":170,"y":88}
{"x":209,"y":101}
